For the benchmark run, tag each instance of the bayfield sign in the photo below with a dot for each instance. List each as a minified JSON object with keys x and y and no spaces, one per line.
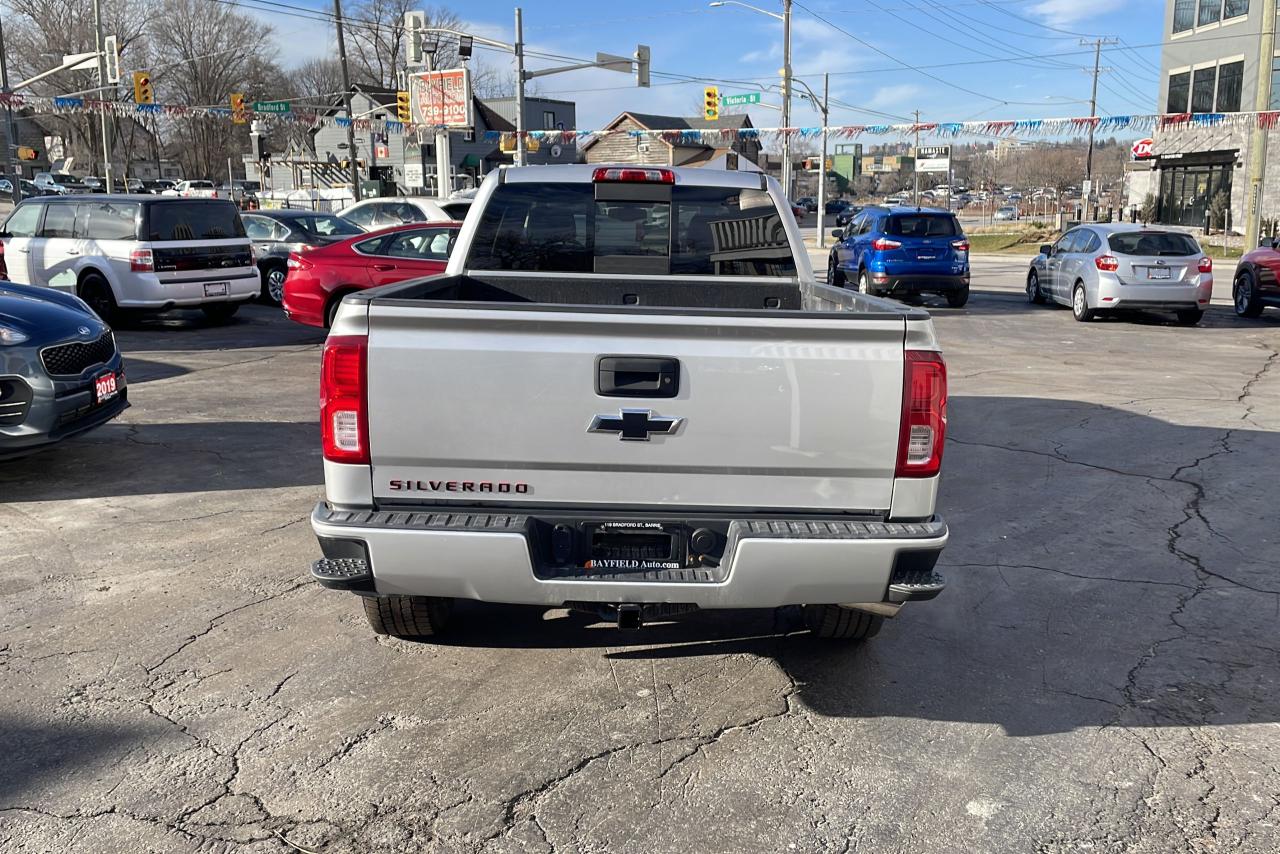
{"x":441,"y":98}
{"x":1142,"y":149}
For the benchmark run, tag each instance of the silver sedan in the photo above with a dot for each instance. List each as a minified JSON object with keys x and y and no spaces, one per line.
{"x":1102,"y":268}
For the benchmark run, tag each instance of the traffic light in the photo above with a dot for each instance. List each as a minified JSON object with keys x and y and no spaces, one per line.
{"x":711,"y":103}
{"x":642,"y":66}
{"x":26,"y":152}
{"x":143,"y":93}
{"x":237,"y":109}
{"x":402,"y":107}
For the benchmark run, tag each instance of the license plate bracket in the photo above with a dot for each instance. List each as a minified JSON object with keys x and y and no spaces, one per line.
{"x":1159,"y":273}
{"x":216,"y":289}
{"x":632,"y":546}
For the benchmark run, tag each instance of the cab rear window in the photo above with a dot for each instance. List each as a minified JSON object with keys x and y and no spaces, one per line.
{"x":1153,"y":243}
{"x":923,"y":225}
{"x":565,"y":228}
{"x":193,"y":220}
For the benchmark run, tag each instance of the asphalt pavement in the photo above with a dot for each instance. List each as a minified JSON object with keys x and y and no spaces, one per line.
{"x":1102,"y":674}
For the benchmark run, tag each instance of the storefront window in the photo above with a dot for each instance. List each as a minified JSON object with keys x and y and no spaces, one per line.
{"x":1180,"y":92}
{"x":1186,"y":192}
{"x":1230,"y":78}
{"x":1202,"y":85}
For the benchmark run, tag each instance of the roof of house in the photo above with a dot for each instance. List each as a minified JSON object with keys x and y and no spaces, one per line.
{"x":653,"y":121}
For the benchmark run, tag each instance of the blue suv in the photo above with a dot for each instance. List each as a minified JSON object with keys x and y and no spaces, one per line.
{"x":901,"y":251}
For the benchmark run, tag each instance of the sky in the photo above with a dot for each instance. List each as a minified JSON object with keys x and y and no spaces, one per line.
{"x":953,"y":60}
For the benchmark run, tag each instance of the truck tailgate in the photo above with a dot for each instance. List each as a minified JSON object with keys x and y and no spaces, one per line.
{"x":472,"y":405}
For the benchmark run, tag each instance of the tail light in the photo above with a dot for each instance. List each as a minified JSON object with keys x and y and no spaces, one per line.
{"x":1106,"y":263}
{"x":960,"y":245}
{"x":882,"y":243}
{"x":924,"y":414}
{"x":632,"y":175}
{"x":295,"y":261}
{"x":344,"y":399}
{"x":1206,"y":264}
{"x":141,"y":261}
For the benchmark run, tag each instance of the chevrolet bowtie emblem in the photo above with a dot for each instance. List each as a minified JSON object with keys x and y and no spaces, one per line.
{"x":634,"y":425}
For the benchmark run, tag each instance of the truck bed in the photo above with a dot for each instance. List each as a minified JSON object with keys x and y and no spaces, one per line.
{"x":702,"y":294}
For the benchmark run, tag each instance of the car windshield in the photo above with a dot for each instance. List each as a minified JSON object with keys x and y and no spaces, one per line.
{"x":923,"y":225}
{"x":1153,"y":243}
{"x":194,"y":220}
{"x":327,"y":225}
{"x":566,"y":228}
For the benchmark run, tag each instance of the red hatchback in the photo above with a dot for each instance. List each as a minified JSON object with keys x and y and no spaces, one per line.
{"x":319,"y":278}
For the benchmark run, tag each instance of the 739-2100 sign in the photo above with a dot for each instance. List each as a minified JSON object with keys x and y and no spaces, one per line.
{"x":441,"y":98}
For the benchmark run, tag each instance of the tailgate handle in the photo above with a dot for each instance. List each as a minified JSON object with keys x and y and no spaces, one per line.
{"x":637,"y":376}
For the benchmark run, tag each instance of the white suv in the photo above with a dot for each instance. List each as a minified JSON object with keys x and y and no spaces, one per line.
{"x":149,"y":253}
{"x":193,"y":190}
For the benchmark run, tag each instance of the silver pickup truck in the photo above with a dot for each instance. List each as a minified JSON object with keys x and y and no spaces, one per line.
{"x":628,"y":394}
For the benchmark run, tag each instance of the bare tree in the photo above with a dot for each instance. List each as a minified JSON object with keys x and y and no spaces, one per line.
{"x":376,"y":38}
{"x":203,"y":57}
{"x":317,"y":81}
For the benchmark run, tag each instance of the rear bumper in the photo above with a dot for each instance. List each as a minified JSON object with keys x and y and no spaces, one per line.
{"x":1112,"y":293}
{"x":151,"y":291}
{"x":919,"y":283}
{"x":767,"y":562}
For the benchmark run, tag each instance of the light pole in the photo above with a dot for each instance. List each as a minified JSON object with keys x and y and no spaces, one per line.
{"x":785,"y":18}
{"x":824,"y":107}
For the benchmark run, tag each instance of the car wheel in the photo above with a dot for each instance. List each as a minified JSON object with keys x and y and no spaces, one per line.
{"x":1190,"y":316}
{"x":331,"y":310}
{"x":864,"y":283}
{"x":1080,"y":304}
{"x":836,"y":622}
{"x":958,"y":298}
{"x":95,"y":291}
{"x":408,"y":616}
{"x":220,"y":312}
{"x":1244,"y":294}
{"x":835,"y":276}
{"x":273,"y":277}
{"x":1034,"y":295}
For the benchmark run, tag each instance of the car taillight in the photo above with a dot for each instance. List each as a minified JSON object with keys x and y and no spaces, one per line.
{"x":344,"y":420}
{"x":141,"y":261}
{"x":1106,"y":263}
{"x":960,"y":245}
{"x":295,"y":261}
{"x":924,"y":414}
{"x":1206,"y":264}
{"x":632,"y":175}
{"x":883,"y":243}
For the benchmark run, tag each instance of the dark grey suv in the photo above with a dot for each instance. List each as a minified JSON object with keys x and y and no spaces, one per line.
{"x":60,"y":370}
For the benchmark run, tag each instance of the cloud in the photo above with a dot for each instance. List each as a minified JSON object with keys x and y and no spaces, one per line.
{"x":1071,"y":11}
{"x":896,"y":98}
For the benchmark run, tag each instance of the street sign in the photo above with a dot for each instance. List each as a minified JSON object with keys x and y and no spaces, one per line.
{"x":277,"y":107}
{"x":740,"y":100}
{"x":935,"y":158}
{"x":442,"y":98}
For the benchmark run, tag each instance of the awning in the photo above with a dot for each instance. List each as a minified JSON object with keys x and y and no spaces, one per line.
{"x":470,"y":161}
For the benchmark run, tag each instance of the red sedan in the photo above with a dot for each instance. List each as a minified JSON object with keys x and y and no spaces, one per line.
{"x":319,"y":278}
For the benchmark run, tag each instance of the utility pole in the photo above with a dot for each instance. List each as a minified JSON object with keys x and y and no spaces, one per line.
{"x":822,"y":174}
{"x":1258,"y":137}
{"x":1093,"y":112}
{"x":11,"y":127}
{"x":519,"y":52}
{"x":346,"y":103}
{"x":102,"y":92}
{"x":786,"y":97}
{"x":915,"y":164}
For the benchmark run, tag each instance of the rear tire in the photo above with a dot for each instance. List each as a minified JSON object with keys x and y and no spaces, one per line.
{"x":836,"y":622}
{"x":220,"y":312}
{"x":95,"y":291}
{"x":273,"y":276}
{"x":1190,"y":316}
{"x":1080,"y":305}
{"x":835,"y":276}
{"x":1244,"y":295}
{"x":408,"y":616}
{"x":864,"y":284}
{"x":1034,"y":295}
{"x":957,"y":299}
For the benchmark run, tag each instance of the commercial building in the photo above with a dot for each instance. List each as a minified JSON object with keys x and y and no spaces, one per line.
{"x":1210,"y":64}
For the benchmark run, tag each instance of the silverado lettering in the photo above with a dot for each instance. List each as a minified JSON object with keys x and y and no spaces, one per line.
{"x":502,"y":486}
